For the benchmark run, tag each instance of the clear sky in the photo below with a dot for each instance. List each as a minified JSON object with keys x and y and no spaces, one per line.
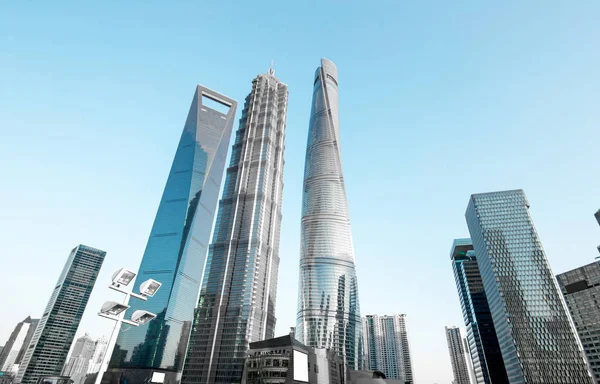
{"x":438,"y":100}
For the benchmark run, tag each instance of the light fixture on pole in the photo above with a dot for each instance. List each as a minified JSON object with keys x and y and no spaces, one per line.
{"x":116,"y":311}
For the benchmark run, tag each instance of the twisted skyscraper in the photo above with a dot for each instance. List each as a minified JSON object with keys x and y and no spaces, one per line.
{"x":328,"y":311}
{"x":237,"y":298}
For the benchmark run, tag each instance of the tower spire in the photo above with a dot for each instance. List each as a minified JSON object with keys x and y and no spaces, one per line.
{"x":271,"y":69}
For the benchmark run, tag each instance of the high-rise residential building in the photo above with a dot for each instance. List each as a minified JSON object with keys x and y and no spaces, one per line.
{"x":581,"y":289}
{"x":177,"y":247}
{"x":79,"y":362}
{"x":99,"y":351}
{"x":386,"y":346}
{"x":56,"y":329}
{"x":237,"y":298}
{"x":459,"y":355}
{"x":536,"y":336}
{"x":488,"y":366}
{"x":17,"y":344}
{"x":328,"y":308}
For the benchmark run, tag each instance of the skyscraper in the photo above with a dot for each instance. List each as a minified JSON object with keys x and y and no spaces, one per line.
{"x":536,"y":337}
{"x":79,"y":362}
{"x":176,"y":250}
{"x":328,"y":309}
{"x":581,"y":289}
{"x":486,"y":357}
{"x":459,"y":355}
{"x":386,"y":346}
{"x":237,"y":299}
{"x":56,"y":329}
{"x":17,"y":344}
{"x":99,"y":350}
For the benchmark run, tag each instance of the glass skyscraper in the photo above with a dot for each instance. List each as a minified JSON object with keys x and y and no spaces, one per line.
{"x":237,"y":298}
{"x":328,"y":308}
{"x":488,"y":366}
{"x":176,"y":250}
{"x":386,"y":346}
{"x":51,"y":341}
{"x":536,"y":336}
{"x":459,"y":355}
{"x":581,"y":289}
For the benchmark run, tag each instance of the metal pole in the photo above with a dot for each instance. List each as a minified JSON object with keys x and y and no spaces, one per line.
{"x":112,"y":341}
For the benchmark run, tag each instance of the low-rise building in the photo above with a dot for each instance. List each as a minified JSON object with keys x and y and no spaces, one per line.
{"x":285,"y":360}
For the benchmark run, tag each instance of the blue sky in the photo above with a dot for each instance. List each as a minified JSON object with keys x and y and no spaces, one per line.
{"x":438,"y":100}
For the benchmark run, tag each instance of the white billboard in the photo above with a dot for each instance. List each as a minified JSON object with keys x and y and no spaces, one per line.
{"x":300,"y":366}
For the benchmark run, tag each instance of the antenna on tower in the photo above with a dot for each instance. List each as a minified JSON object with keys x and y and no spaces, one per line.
{"x":271,"y":70}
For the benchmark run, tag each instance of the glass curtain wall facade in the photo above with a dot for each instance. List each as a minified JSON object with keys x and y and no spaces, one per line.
{"x":536,"y":336}
{"x":328,"y":308}
{"x":488,"y":366}
{"x":386,"y":346}
{"x":237,"y":299}
{"x":581,"y":289}
{"x":177,"y":246}
{"x":51,"y":341}
{"x":459,"y":355}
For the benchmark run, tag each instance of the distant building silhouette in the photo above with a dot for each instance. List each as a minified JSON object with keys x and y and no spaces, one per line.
{"x":17,"y":344}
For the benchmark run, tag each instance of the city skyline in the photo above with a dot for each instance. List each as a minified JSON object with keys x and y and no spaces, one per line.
{"x":513,"y":89}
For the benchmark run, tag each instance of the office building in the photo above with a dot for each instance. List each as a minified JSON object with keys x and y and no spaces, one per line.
{"x":237,"y":299}
{"x":459,"y":355}
{"x":79,"y":362}
{"x":17,"y":344}
{"x":328,"y":307}
{"x":386,"y":346}
{"x":51,"y":341}
{"x":284,"y":360}
{"x":581,"y":289}
{"x":99,"y":351}
{"x":177,"y":247}
{"x":536,"y":336}
{"x":488,"y":366}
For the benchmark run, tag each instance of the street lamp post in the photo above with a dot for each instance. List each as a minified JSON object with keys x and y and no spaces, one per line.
{"x":116,"y":311}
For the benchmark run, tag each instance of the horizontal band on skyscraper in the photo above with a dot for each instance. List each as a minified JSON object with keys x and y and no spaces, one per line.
{"x":330,"y":260}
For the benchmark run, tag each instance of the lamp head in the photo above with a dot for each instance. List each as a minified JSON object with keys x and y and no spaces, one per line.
{"x":123,"y":277}
{"x":142,"y":317}
{"x":113,"y":308}
{"x":149,"y":287}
